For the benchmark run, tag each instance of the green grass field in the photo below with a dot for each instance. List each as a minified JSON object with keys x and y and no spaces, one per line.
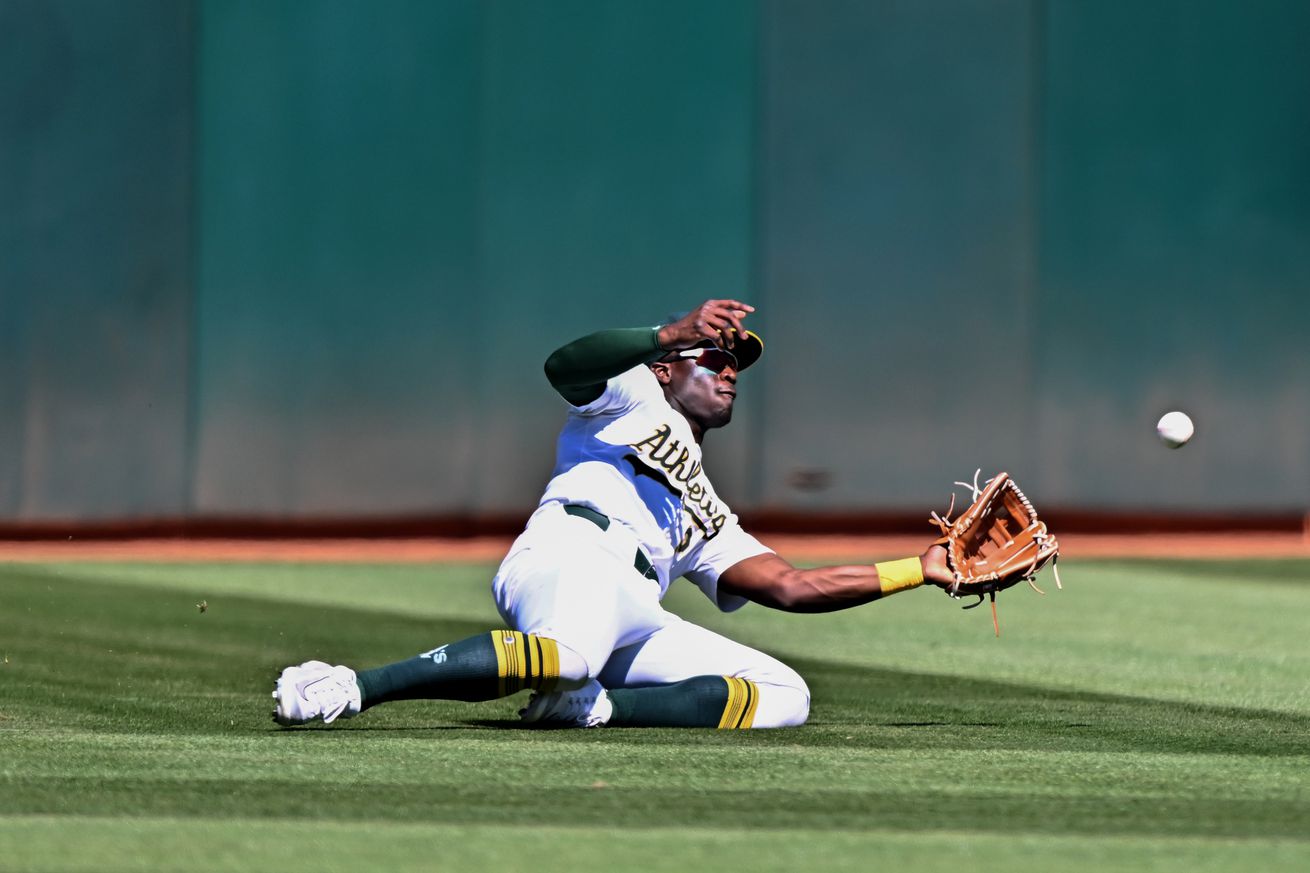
{"x":1152,"y":716}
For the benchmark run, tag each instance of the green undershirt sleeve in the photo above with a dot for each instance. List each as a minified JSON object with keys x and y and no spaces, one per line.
{"x":579,"y":370}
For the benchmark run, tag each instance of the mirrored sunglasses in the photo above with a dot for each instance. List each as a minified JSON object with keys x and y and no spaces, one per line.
{"x":715,"y":360}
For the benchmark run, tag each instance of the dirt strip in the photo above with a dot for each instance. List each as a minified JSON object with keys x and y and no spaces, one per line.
{"x":491,"y":549}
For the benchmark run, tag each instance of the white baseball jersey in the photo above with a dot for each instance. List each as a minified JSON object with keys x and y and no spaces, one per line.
{"x":629,"y":455}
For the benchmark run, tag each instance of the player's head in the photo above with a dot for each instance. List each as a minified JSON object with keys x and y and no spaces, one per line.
{"x":701,"y":383}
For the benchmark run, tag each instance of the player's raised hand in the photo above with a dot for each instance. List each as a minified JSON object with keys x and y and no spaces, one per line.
{"x":719,"y":321}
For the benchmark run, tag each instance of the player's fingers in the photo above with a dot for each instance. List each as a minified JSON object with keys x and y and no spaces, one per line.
{"x":729,"y":324}
{"x":736,"y":309}
{"x":734,"y":304}
{"x":732,"y":313}
{"x":717,"y":329}
{"x":727,"y":329}
{"x":735,"y":317}
{"x":719,"y":321}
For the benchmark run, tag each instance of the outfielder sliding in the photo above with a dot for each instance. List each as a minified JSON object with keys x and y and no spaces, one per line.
{"x":628,"y":510}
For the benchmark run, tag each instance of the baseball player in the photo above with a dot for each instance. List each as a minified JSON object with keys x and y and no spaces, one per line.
{"x":628,"y":510}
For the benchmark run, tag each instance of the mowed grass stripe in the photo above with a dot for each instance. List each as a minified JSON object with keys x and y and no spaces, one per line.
{"x":1078,"y":812}
{"x":40,"y":844}
{"x":451,"y":757}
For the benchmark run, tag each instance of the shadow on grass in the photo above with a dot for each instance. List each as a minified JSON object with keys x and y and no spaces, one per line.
{"x":134,"y":658}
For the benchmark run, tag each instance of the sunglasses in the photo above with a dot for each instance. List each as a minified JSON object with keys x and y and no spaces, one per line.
{"x":715,"y":360}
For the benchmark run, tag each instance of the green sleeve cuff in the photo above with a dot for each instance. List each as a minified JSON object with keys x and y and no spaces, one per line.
{"x":580,"y":369}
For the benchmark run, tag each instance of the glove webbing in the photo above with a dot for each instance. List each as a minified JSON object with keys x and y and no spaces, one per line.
{"x":1039,"y":540}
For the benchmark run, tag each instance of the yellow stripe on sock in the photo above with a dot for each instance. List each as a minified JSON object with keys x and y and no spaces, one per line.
{"x":748,"y":717}
{"x":727,"y":707}
{"x":739,"y":711}
{"x":547,"y":664}
{"x":509,"y":660}
{"x":743,"y":701}
{"x":525,"y":661}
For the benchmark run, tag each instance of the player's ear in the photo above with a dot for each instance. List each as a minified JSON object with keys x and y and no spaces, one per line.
{"x":662,"y":372}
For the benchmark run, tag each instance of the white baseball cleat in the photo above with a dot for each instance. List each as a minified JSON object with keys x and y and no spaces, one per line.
{"x":588,"y":706}
{"x":315,"y":690}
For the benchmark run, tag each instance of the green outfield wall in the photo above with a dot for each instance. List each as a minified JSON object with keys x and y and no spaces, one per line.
{"x":97,"y":279}
{"x":296,"y":260}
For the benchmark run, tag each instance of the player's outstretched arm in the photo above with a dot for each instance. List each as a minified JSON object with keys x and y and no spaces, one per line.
{"x":772,"y":581}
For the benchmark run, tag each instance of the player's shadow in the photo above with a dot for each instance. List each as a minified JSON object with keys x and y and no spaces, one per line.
{"x":945,"y":711}
{"x":884,"y":708}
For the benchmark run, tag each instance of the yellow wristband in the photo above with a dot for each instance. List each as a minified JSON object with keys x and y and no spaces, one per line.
{"x":899,"y":575}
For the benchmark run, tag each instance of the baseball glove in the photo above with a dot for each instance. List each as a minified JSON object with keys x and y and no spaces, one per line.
{"x":997,"y":542}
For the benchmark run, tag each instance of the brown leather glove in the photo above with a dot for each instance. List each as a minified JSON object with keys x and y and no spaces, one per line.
{"x":997,"y":542}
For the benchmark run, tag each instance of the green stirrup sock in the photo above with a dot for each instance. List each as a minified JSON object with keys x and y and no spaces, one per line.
{"x":702,"y":701}
{"x":484,"y":667}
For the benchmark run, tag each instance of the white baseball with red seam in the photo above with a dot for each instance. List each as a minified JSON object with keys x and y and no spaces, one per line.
{"x":1175,"y":429}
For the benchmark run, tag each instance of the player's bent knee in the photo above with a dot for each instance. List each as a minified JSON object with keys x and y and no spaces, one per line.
{"x":573,"y":669}
{"x":783,"y":705}
{"x":784,"y":696}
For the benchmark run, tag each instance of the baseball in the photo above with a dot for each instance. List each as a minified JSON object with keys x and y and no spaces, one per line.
{"x":1175,"y":429}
